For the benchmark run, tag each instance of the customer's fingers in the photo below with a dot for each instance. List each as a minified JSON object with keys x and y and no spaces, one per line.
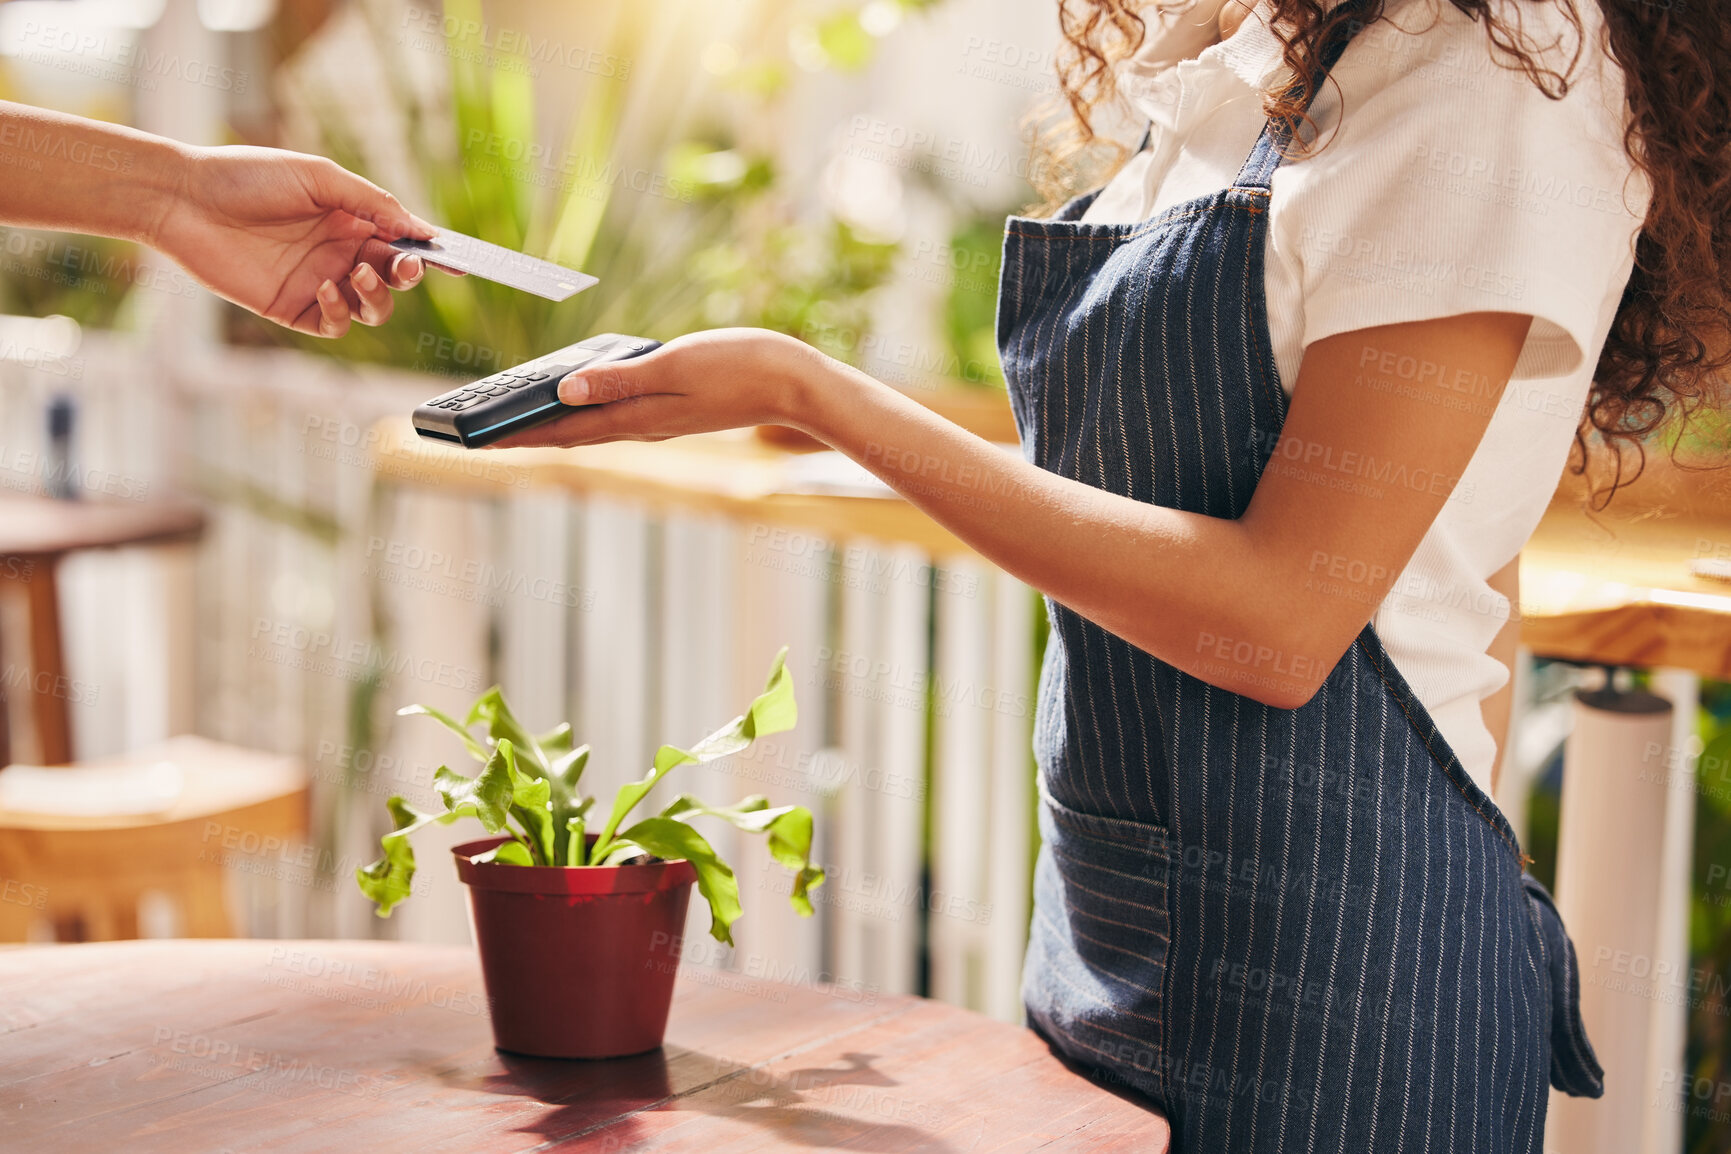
{"x":337,"y":187}
{"x":398,"y":269}
{"x":333,"y":311}
{"x":405,"y":271}
{"x":373,"y":295}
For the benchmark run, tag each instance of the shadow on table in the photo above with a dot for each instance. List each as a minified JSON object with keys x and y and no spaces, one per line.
{"x":1103,"y":1080}
{"x":850,"y":1103}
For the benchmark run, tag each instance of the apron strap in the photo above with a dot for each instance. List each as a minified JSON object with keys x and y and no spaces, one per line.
{"x":1270,"y":148}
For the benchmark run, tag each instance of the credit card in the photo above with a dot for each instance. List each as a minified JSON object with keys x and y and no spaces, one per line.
{"x":492,"y":262}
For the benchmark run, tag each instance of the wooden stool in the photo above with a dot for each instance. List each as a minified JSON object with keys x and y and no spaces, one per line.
{"x":85,"y":875}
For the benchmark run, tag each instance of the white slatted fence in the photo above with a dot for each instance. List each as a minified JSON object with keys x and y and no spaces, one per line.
{"x":325,"y":595}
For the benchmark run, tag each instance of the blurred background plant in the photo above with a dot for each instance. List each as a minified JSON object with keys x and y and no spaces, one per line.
{"x":1706,"y":988}
{"x":53,"y":274}
{"x":628,"y":139}
{"x":1709,"y":981}
{"x":653,"y":171}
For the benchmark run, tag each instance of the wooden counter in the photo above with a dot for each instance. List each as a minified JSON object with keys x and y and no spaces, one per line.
{"x":732,"y":474}
{"x":1610,"y":587}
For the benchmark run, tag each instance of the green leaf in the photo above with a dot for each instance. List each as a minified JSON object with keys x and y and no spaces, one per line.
{"x":502,"y":725}
{"x":565,"y":804}
{"x":511,"y":852}
{"x":669,"y":839}
{"x":738,"y":812}
{"x":556,"y":741}
{"x":567,"y":769}
{"x":771,"y":711}
{"x":574,"y":833}
{"x":623,"y":851}
{"x":537,"y":822}
{"x":790,"y":844}
{"x":532,"y":792}
{"x":386,"y":881}
{"x":479,"y":751}
{"x":489,"y":794}
{"x":806,"y":880}
{"x":788,"y":827}
{"x":531,"y":807}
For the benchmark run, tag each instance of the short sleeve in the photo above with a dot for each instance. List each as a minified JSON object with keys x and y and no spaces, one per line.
{"x":1453,"y":184}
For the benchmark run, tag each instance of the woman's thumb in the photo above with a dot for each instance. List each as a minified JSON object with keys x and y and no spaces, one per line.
{"x":604,"y":383}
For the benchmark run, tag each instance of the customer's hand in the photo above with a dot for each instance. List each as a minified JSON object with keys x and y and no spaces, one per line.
{"x":720,"y":379}
{"x":295,"y":238}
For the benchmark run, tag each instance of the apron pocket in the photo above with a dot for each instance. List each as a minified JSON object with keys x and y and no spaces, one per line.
{"x":1097,"y":955}
{"x":1575,"y":1068}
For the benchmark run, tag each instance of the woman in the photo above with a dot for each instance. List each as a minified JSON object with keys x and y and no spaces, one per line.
{"x":294,"y":238}
{"x":1290,"y":408}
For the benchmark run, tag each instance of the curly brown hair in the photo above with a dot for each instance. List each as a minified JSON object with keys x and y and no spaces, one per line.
{"x":1670,"y":343}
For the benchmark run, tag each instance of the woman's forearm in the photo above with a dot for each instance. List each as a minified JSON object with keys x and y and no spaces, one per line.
{"x":1263,"y":605}
{"x":1191,"y":590}
{"x":75,"y":175}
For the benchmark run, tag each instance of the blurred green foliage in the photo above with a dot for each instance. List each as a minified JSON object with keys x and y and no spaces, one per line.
{"x":1540,"y":844}
{"x":86,"y":278}
{"x":1707,"y":1123}
{"x":1704,"y":439}
{"x":683,"y":215}
{"x":703,"y":235}
{"x":971,"y":310}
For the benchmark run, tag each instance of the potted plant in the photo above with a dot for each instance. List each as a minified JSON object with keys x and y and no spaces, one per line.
{"x":578,"y":931}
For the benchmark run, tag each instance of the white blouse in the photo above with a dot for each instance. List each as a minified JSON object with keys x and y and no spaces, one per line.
{"x":1450,"y":184}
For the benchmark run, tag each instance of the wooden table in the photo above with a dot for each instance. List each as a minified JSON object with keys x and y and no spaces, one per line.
{"x":36,"y":533}
{"x":191,"y":1046}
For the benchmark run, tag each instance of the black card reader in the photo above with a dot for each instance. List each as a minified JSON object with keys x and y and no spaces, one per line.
{"x":516,"y":399}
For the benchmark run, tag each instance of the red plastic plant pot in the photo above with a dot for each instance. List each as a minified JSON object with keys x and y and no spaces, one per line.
{"x":579,"y":961}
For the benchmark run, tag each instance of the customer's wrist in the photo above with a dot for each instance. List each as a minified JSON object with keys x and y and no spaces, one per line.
{"x":157,"y":188}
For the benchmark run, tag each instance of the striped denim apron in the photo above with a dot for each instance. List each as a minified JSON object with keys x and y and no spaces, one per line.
{"x":1293,"y":929}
